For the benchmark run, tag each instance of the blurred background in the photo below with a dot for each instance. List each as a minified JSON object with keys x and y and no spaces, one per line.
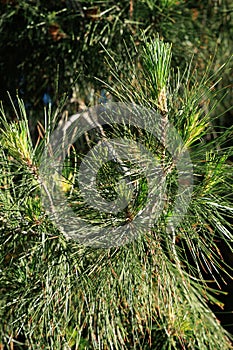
{"x":51,"y":49}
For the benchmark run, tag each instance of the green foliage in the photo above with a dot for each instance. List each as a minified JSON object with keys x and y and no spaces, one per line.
{"x":151,"y":293}
{"x":56,"y":48}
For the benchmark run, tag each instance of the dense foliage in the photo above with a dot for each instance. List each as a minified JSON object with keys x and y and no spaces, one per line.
{"x":51,"y":48}
{"x":159,"y":291}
